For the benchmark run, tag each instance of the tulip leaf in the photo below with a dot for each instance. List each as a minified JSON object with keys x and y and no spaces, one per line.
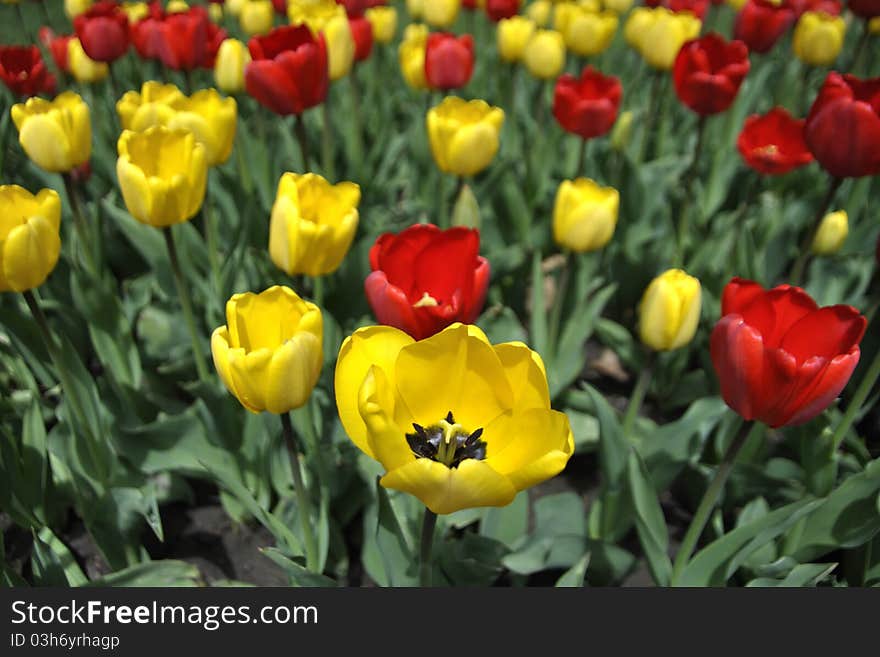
{"x":507,"y":524}
{"x":466,"y":211}
{"x":558,"y":540}
{"x":574,"y":576}
{"x":34,"y":473}
{"x":46,"y":565}
{"x":538,"y":318}
{"x":296,"y":573}
{"x":156,"y":574}
{"x":73,"y":575}
{"x":650,"y":523}
{"x":806,"y":574}
{"x":396,"y":557}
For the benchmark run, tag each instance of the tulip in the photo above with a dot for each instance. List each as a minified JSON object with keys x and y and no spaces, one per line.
{"x":864,"y":8}
{"x":496,"y":10}
{"x":843,"y":126}
{"x":831,"y":234}
{"x":384,"y":22}
{"x":256,"y":17}
{"x":176,"y":6}
{"x":147,"y":34}
{"x":622,"y":132}
{"x":269,"y":353}
{"x":708,"y":73}
{"x":658,"y":34}
{"x":232,"y":60}
{"x":313,"y":224}
{"x":440,"y":13}
{"x":103,"y":31}
{"x":761,"y":23}
{"x":449,"y":60}
{"x":73,"y":8}
{"x":56,"y":134}
{"x":412,"y":56}
{"x":135,"y":11}
{"x":464,"y":135}
{"x":362,"y":33}
{"x":584,"y":215}
{"x":696,"y":7}
{"x":57,"y":47}
{"x":162,"y":174}
{"x":30,"y":242}
{"x":23,"y":71}
{"x":539,"y":11}
{"x":818,"y":38}
{"x":327,"y":18}
{"x":155,"y":104}
{"x":289,"y":71}
{"x":455,"y":441}
{"x":619,"y":7}
{"x":513,"y":36}
{"x":670,"y":311}
{"x":780,"y":358}
{"x":188,"y":40}
{"x":589,"y":33}
{"x":773,"y":144}
{"x":81,"y":66}
{"x":587,"y":106}
{"x":545,"y":54}
{"x":415,"y":8}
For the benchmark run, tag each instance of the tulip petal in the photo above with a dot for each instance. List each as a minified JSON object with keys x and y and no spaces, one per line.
{"x":293,"y":373}
{"x":30,"y":252}
{"x":526,"y":374}
{"x":386,"y":439}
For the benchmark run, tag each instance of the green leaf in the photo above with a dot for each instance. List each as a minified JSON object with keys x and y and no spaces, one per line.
{"x":51,"y":553}
{"x":574,"y":576}
{"x":507,"y":524}
{"x":298,"y":574}
{"x":34,"y":474}
{"x":559,"y":539}
{"x":159,"y":574}
{"x":466,"y":211}
{"x":396,"y":556}
{"x":538,"y":318}
{"x":650,"y":523}
{"x":806,"y":574}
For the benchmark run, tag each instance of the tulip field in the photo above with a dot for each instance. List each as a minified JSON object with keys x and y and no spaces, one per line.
{"x":440,"y":293}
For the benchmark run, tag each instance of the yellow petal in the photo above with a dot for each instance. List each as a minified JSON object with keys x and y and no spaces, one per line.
{"x":293,"y":373}
{"x":526,"y":374}
{"x":30,"y":253}
{"x":386,"y":439}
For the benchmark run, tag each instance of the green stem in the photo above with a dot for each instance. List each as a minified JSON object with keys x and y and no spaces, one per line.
{"x":690,"y":174}
{"x":800,"y":265}
{"x":429,"y":522}
{"x":318,"y":290}
{"x":210,"y":221}
{"x":651,"y":119}
{"x":186,"y":305}
{"x":710,"y":498}
{"x":857,"y":401}
{"x":638,"y":396}
{"x":327,"y":141}
{"x":443,"y":219}
{"x":860,"y":48}
{"x":358,"y":143}
{"x":556,"y":313}
{"x":302,"y":138}
{"x":582,"y":158}
{"x":302,"y":496}
{"x":82,"y":228}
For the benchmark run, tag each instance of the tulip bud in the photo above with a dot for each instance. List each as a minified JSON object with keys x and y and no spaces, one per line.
{"x":622,"y":131}
{"x":215,"y":12}
{"x":29,"y":237}
{"x":539,"y":12}
{"x":513,"y":36}
{"x":412,"y":55}
{"x":74,"y":8}
{"x":464,"y":135}
{"x":466,"y":211}
{"x":384,"y":22}
{"x":269,"y":353}
{"x":619,"y":7}
{"x":81,"y":66}
{"x":589,"y":33}
{"x":440,"y":13}
{"x":135,"y":11}
{"x":256,"y":17}
{"x":584,"y":215}
{"x":56,"y":134}
{"x":545,"y":54}
{"x":232,"y":58}
{"x":831,"y":234}
{"x":415,"y":9}
{"x":818,"y":38}
{"x":670,"y":311}
{"x":313,"y":224}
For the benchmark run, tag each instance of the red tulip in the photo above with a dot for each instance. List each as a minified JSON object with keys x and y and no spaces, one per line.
{"x":362,"y":33}
{"x":761,"y":23}
{"x":186,"y":40}
{"x":470,"y":5}
{"x":498,"y":9}
{"x":213,"y":40}
{"x":103,"y":31}
{"x":774,"y":143}
{"x":831,"y":7}
{"x":353,"y":8}
{"x":449,"y":60}
{"x":146,"y":34}
{"x":587,"y":106}
{"x":56,"y":44}
{"x":696,"y":7}
{"x":280,"y":7}
{"x":289,"y":71}
{"x":22,"y":70}
{"x":865,"y":8}
{"x":843,"y":126}
{"x":708,"y":72}
{"x":425,"y":279}
{"x":780,"y":358}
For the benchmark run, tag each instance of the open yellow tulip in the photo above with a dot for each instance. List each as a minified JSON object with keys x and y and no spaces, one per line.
{"x":454,"y":420}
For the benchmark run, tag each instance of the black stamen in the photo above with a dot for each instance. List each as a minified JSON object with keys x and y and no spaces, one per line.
{"x":449,"y":418}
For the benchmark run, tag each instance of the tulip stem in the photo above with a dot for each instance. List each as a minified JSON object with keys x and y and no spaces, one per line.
{"x":302,"y":496}
{"x":800,"y":265}
{"x":303,"y":139}
{"x":684,"y":213}
{"x":559,"y":302}
{"x":429,"y":522}
{"x":582,"y":158}
{"x":859,"y":49}
{"x":210,"y":222}
{"x":82,"y":228}
{"x":653,"y":111}
{"x":186,"y":305}
{"x":710,"y":498}
{"x":327,"y":141}
{"x":858,"y":400}
{"x":356,"y":123}
{"x":643,"y":382}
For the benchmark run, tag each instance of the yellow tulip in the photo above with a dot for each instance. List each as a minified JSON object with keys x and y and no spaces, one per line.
{"x":176,"y":6}
{"x":818,"y":38}
{"x":412,"y":55}
{"x":539,"y":12}
{"x":618,"y":6}
{"x":313,"y":224}
{"x":832,"y":233}
{"x":513,"y":35}
{"x":135,"y":10}
{"x":325,"y":16}
{"x":29,"y":237}
{"x":234,"y":6}
{"x":162,"y":174}
{"x":74,"y":8}
{"x":209,"y":116}
{"x":232,"y":58}
{"x":384,"y":23}
{"x":658,"y":34}
{"x":215,"y":12}
{"x":269,"y":353}
{"x":440,"y":13}
{"x":545,"y":54}
{"x":256,"y":17}
{"x":82,"y":67}
{"x":415,"y":8}
{"x":454,"y":420}
{"x":874,"y":25}
{"x":56,"y":134}
{"x":590,"y":33}
{"x":670,"y":311}
{"x":464,"y":135}
{"x":584,"y":215}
